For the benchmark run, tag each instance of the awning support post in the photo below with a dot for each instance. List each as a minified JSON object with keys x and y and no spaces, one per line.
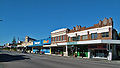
{"x":110,"y":52}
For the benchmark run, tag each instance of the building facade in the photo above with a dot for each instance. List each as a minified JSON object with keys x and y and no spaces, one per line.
{"x":40,"y":46}
{"x":46,"y":43}
{"x":97,"y":41}
{"x":59,"y":36}
{"x":23,"y":45}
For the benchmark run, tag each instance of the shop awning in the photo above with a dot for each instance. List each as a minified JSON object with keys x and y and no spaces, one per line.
{"x":99,"y":41}
{"x":85,"y":43}
{"x":51,"y":45}
{"x":34,"y":45}
{"x":20,"y":46}
{"x":91,"y":42}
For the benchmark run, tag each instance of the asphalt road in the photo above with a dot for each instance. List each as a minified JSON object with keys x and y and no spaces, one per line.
{"x":19,"y":60}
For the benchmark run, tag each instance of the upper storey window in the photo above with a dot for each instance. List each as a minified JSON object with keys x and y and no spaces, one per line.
{"x":76,"y":38}
{"x":94,"y":36}
{"x":55,"y":38}
{"x":84,"y":37}
{"x":63,"y":37}
{"x":105,"y":34}
{"x":60,"y":38}
{"x":69,"y":39}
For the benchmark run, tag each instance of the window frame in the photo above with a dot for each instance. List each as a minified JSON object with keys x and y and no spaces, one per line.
{"x":63,"y":37}
{"x":105,"y":34}
{"x":94,"y":35}
{"x":84,"y":37}
{"x":55,"y":39}
{"x":78,"y":38}
{"x":69,"y":39}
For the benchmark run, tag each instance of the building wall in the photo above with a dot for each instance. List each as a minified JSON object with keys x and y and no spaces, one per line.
{"x":59,"y":36}
{"x":101,"y":31}
{"x":103,"y":28}
{"x":28,"y":41}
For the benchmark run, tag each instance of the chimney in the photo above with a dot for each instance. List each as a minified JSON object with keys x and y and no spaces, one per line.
{"x":110,"y":21}
{"x":74,"y":28}
{"x":79,"y":27}
{"x":100,"y":23}
{"x":105,"y":21}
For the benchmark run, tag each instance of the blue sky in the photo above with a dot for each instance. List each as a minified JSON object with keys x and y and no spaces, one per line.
{"x":37,"y":18}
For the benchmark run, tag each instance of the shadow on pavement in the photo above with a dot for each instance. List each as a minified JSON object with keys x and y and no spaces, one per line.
{"x":8,"y":58}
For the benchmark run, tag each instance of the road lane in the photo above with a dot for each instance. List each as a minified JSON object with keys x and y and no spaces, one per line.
{"x":43,"y":61}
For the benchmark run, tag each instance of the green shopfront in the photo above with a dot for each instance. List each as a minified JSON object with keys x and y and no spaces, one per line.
{"x":77,"y":50}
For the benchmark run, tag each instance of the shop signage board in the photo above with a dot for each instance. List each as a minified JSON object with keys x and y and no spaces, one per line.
{"x":38,"y":42}
{"x":97,"y":47}
{"x":71,"y":43}
{"x":46,"y":41}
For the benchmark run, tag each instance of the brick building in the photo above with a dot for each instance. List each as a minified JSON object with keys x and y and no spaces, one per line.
{"x":97,"y":41}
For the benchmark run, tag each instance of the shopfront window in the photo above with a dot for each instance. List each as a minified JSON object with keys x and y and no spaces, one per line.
{"x":94,"y":36}
{"x":57,"y":50}
{"x":84,"y":37}
{"x":100,"y":53}
{"x":105,"y":34}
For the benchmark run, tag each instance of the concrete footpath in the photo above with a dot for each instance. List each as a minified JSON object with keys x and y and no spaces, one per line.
{"x":22,"y":60}
{"x":96,"y":60}
{"x":1,"y":65}
{"x":80,"y":58}
{"x":70,"y":57}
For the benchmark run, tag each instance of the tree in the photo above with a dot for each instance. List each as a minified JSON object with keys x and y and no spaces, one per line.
{"x":14,"y":41}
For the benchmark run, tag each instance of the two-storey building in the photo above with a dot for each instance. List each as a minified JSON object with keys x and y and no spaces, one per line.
{"x":97,"y":41}
{"x":58,"y":37}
